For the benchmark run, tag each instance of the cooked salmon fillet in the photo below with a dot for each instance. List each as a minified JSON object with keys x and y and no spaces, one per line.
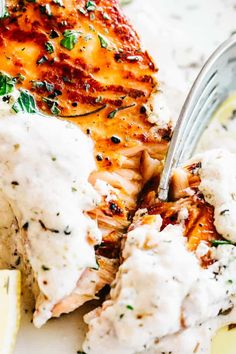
{"x":83,"y":61}
{"x":184,"y":194}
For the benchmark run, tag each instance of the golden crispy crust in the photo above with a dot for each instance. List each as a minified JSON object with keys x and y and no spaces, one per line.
{"x":88,"y":78}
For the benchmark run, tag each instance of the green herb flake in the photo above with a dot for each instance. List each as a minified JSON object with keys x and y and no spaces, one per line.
{"x":230,"y":281}
{"x":54,"y":158}
{"x":217,"y":243}
{"x":43,"y":84}
{"x":42,"y":60}
{"x":49,"y":47}
{"x":125,"y":2}
{"x":25,"y":103}
{"x":88,"y":37}
{"x":81,"y":10}
{"x":103,"y":41}
{"x":90,"y":6}
{"x":106,"y":16}
{"x":54,"y":109}
{"x":3,"y":9}
{"x":91,"y":27}
{"x":49,"y":87}
{"x":70,"y":39}
{"x":87,"y":87}
{"x":98,"y":99}
{"x":129,"y":307}
{"x":113,"y":113}
{"x":46,"y":9}
{"x":74,"y":189}
{"x":92,"y":16}
{"x":20,"y":77}
{"x":6,"y":84}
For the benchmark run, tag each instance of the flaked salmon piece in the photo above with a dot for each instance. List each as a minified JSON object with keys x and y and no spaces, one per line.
{"x":185,"y":197}
{"x":90,"y":283}
{"x":83,"y":61}
{"x":186,"y":216}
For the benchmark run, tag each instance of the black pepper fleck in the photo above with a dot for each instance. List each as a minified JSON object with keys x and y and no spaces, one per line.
{"x":25,"y":226}
{"x":115,"y":139}
{"x":99,"y":157}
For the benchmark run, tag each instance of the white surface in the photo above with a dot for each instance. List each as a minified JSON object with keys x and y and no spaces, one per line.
{"x":180,"y":35}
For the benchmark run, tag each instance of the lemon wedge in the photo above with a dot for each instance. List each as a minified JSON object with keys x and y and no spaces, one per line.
{"x":10,"y":292}
{"x":224,"y":112}
{"x":224,"y":342}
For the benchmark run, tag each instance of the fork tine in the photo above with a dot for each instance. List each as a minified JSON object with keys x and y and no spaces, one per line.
{"x":195,"y":117}
{"x":201,"y":120}
{"x":206,"y":94}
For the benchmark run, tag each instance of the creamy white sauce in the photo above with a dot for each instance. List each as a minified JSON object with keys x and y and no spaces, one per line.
{"x":162,"y":295}
{"x":45,"y":164}
{"x":218,"y":185}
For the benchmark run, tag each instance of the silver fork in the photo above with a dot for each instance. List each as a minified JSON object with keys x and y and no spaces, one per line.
{"x":215,"y":82}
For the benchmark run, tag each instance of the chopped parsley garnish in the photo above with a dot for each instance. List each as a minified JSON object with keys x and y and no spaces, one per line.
{"x":6,"y":84}
{"x":49,"y":47}
{"x":113,"y":113}
{"x":3,"y":10}
{"x":25,"y":103}
{"x":98,"y":99}
{"x":90,"y":6}
{"x":70,"y":39}
{"x":125,"y":2}
{"x":20,"y":77}
{"x":129,"y":307}
{"x":216,"y":243}
{"x":54,"y":109}
{"x":103,"y":41}
{"x":42,"y":60}
{"x":43,"y":84}
{"x":45,"y":9}
{"x":106,"y":16}
{"x":81,"y":10}
{"x":53,"y":105}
